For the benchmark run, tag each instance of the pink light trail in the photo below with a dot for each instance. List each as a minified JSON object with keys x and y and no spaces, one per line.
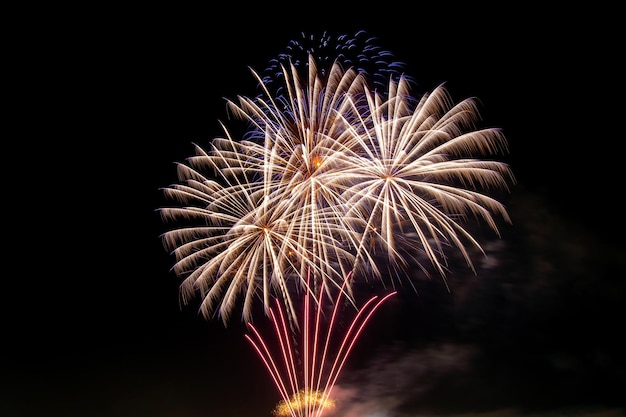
{"x":310,"y":396}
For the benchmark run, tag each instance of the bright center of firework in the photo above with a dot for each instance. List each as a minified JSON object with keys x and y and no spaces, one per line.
{"x":316,"y":161}
{"x":301,"y":401}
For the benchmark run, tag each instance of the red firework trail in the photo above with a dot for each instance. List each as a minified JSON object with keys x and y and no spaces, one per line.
{"x":310,"y":396}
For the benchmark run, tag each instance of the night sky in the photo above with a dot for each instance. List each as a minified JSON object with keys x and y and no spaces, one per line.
{"x":93,"y":326}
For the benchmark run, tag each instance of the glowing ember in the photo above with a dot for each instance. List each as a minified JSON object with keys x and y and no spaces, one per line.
{"x":303,"y":400}
{"x":305,"y":379}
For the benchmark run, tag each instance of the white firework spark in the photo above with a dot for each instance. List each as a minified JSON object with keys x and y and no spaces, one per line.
{"x":276,"y":211}
{"x":417,"y":177}
{"x":330,"y":172}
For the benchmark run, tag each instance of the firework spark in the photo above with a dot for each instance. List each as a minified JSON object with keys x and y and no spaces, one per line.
{"x":306,"y":390}
{"x":277,"y":210}
{"x":360,"y":52}
{"x":302,"y":402}
{"x":416,"y":176}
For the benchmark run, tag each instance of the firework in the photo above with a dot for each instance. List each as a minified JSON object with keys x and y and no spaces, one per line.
{"x":359,"y":52}
{"x":306,"y":390}
{"x":302,"y":402}
{"x":271,"y":208}
{"x":416,"y":177}
{"x":335,"y":178}
{"x":323,"y":180}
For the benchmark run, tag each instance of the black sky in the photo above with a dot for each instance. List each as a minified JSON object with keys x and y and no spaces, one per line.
{"x":107,"y":104}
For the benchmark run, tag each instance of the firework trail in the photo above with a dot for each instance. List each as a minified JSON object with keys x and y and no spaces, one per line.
{"x":307,"y":391}
{"x":334,"y":178}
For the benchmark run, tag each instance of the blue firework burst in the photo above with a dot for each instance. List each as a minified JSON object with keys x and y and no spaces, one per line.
{"x":359,"y":52}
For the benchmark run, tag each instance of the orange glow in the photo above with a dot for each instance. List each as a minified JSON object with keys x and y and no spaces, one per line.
{"x":316,"y":162}
{"x":303,"y":400}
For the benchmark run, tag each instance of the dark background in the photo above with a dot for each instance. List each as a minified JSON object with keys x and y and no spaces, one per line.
{"x":103,"y":104}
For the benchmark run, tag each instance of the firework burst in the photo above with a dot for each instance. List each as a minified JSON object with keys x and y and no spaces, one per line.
{"x":416,"y":176}
{"x":324,"y":179}
{"x":359,"y":52}
{"x":333,"y":180}
{"x":276,"y":209}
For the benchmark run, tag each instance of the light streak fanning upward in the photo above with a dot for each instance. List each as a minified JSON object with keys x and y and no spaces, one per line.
{"x":306,"y":391}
